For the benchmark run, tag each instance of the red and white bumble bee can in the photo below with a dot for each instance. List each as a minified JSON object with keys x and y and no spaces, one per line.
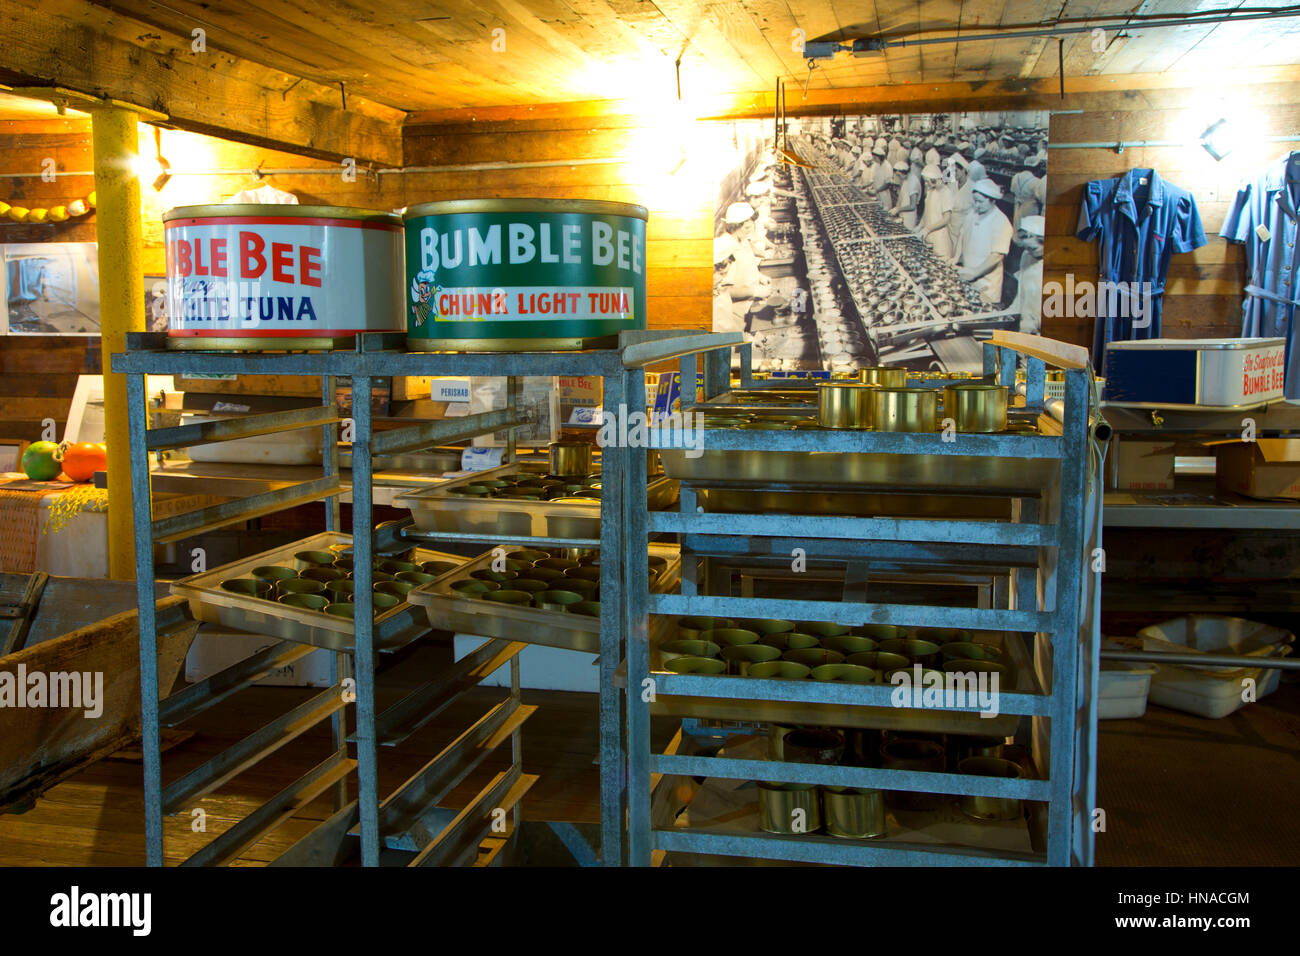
{"x":281,"y":277}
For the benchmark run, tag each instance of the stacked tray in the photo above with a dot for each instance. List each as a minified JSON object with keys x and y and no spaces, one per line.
{"x":520,"y":499}
{"x":820,"y":649}
{"x":459,"y":600}
{"x":256,"y":613}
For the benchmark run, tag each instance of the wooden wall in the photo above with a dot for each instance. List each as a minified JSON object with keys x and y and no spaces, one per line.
{"x":679,"y":234}
{"x":1202,"y":299}
{"x":38,"y":374}
{"x":1203,"y":292}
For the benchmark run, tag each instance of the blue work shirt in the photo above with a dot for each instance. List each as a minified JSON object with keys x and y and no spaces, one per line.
{"x":1141,"y":220}
{"x":1270,"y":200}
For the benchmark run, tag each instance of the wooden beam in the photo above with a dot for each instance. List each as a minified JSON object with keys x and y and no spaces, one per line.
{"x":74,"y":44}
{"x":1009,"y":92}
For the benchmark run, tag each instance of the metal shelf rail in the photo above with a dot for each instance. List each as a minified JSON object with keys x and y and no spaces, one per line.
{"x":1041,"y":593}
{"x":396,"y":823}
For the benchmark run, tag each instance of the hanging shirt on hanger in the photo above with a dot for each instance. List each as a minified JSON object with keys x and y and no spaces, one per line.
{"x":1263,"y":216}
{"x":1141,"y":220}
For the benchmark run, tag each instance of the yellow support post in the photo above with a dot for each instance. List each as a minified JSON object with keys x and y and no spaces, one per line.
{"x":121,"y":307}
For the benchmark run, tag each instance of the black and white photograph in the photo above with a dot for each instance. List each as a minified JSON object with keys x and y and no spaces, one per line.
{"x":51,"y":288}
{"x":881,"y":240}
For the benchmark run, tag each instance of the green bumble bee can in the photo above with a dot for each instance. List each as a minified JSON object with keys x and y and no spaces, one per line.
{"x":523,"y":274}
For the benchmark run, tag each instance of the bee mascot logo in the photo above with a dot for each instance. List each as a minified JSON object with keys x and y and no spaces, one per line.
{"x":424,"y":291}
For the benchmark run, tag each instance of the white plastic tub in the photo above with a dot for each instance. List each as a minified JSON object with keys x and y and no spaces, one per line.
{"x":1122,"y":693}
{"x":1218,"y":691}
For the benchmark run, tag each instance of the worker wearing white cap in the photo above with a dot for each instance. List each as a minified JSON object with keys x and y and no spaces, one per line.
{"x":916,"y":156}
{"x":896,"y":151}
{"x":882,"y":176}
{"x":985,"y":242}
{"x":897,"y":171}
{"x":962,"y":205}
{"x":1028,"y":303}
{"x":937,"y":218}
{"x":745,"y":278}
{"x":1028,"y":194}
{"x":907,"y":200}
{"x":933,"y":156}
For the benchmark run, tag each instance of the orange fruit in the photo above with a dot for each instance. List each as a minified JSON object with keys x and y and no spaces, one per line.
{"x":82,"y":459}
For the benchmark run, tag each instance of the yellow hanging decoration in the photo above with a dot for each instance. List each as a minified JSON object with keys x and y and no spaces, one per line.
{"x":66,"y":505}
{"x":78,"y":207}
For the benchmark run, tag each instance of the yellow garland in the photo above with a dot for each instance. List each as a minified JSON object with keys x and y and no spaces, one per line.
{"x":66,"y":505}
{"x":78,"y":207}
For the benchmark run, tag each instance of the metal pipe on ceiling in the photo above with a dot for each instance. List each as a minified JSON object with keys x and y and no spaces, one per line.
{"x":1126,"y":144}
{"x":1281,"y":13}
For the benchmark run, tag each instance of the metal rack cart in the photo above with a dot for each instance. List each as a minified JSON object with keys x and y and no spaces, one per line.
{"x":410,"y":811}
{"x":1036,"y":562}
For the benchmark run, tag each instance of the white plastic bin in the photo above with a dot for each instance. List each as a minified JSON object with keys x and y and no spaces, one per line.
{"x":1123,"y":690}
{"x":1213,"y":692}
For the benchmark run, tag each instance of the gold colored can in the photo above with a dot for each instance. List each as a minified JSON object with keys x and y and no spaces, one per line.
{"x":976,"y":408}
{"x":570,"y":459}
{"x":990,"y":808}
{"x":844,"y":405}
{"x":789,"y":808}
{"x":904,"y":409}
{"x":887,"y":376}
{"x":854,"y":814}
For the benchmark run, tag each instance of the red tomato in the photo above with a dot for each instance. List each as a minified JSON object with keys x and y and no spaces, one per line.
{"x":82,"y":459}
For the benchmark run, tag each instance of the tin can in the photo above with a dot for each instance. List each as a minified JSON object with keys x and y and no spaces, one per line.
{"x":248,"y":276}
{"x":904,"y":409}
{"x":844,"y":406}
{"x":523,"y":274}
{"x":976,"y":408}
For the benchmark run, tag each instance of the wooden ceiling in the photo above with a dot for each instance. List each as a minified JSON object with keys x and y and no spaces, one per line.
{"x":415,"y":55}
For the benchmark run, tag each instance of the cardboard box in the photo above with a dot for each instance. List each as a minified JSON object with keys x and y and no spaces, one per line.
{"x":1267,"y":468}
{"x":1134,"y":465}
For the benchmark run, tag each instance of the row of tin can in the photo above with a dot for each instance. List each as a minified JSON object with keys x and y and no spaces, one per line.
{"x":488,"y":275}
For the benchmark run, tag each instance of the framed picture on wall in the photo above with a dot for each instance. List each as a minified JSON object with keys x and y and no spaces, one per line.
{"x":50,"y":288}
{"x":902,"y":239}
{"x":11,"y":454}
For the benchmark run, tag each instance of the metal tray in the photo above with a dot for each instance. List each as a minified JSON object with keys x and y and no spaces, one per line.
{"x":1021,"y":680}
{"x":979,"y":474}
{"x":450,"y":610}
{"x":439,"y":510}
{"x":394,"y":628}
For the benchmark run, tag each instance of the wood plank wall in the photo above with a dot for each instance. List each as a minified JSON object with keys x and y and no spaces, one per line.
{"x":1203,"y":298}
{"x":1203,"y":292}
{"x":38,"y":374}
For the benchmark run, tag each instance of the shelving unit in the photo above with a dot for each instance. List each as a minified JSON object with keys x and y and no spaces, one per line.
{"x":407,"y":826}
{"x":1035,"y":563}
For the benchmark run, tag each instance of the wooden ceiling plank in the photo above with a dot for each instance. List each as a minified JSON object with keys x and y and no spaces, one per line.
{"x":703,"y":34}
{"x":467,"y":71}
{"x":98,"y":52}
{"x":778,"y":25}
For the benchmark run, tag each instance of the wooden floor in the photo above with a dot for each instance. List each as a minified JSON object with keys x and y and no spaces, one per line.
{"x":1178,"y":790}
{"x":96,"y":817}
